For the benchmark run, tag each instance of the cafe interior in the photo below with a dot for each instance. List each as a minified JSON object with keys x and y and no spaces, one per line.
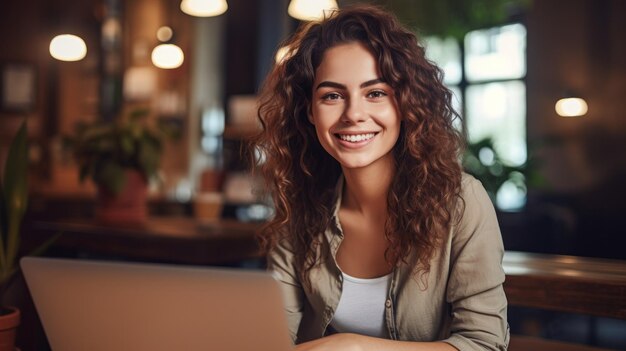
{"x":540,"y":86}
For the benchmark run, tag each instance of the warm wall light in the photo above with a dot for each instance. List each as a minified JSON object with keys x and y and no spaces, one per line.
{"x":204,"y":8}
{"x":167,"y":56}
{"x":571,"y":107}
{"x":68,"y":47}
{"x":310,"y":10}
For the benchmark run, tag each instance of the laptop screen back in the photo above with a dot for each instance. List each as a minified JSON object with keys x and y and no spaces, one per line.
{"x":92,"y":305}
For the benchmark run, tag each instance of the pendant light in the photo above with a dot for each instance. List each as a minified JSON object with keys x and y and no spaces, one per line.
{"x":68,"y":47}
{"x":66,"y":24}
{"x":167,"y":55}
{"x":311,"y":10}
{"x":204,"y":8}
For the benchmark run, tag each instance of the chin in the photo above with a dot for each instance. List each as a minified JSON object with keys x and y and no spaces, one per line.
{"x":355,"y":164}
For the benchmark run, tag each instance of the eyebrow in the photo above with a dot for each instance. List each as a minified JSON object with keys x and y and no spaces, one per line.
{"x":342,"y":86}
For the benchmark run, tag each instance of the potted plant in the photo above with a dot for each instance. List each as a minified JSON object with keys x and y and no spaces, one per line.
{"x":120,"y":157}
{"x":483,"y":162}
{"x":13,"y":202}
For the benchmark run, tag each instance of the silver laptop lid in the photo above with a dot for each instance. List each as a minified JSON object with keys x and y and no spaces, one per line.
{"x":93,"y":305}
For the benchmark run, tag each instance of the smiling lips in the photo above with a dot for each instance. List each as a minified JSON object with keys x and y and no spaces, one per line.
{"x":355,"y":138}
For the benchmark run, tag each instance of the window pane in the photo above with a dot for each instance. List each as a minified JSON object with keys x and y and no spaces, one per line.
{"x":447,"y":55}
{"x":212,"y":130}
{"x":496,"y":53}
{"x":498,"y":111}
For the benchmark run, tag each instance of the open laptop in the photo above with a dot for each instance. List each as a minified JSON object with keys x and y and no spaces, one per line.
{"x":94,"y":305}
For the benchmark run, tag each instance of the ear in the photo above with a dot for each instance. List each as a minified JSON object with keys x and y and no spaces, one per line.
{"x":309,"y":116}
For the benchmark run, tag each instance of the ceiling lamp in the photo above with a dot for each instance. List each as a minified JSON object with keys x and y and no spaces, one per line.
{"x":310,"y":10}
{"x":167,"y":56}
{"x":204,"y":8}
{"x":571,"y":107}
{"x":68,"y":47}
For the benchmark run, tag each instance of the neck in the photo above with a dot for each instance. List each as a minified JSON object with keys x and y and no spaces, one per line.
{"x":366,"y":188}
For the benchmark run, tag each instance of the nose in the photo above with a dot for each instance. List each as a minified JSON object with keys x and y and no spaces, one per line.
{"x":354,"y":111}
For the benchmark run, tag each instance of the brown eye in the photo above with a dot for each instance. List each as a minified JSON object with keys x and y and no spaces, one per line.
{"x":331,"y":96}
{"x":376,"y":94}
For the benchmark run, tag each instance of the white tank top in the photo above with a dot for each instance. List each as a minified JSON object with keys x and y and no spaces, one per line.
{"x":361,"y":308}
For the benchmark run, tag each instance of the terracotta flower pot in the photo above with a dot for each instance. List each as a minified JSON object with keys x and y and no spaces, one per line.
{"x":9,"y":321}
{"x":127,"y":206}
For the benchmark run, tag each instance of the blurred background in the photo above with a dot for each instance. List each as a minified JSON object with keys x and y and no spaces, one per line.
{"x":541,"y":87}
{"x":557,"y":180}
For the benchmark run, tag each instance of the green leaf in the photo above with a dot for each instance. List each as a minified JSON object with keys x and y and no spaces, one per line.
{"x":95,"y":132}
{"x":127,"y":145}
{"x":149,"y":157}
{"x":45,"y":245}
{"x":15,"y":194}
{"x":15,"y":173}
{"x":138,"y":114}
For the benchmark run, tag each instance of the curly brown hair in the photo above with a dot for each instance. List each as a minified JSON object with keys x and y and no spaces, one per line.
{"x":301,"y":176}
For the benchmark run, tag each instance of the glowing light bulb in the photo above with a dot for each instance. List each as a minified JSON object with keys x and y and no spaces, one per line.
{"x":310,"y":10}
{"x":571,"y":107}
{"x":167,"y":56}
{"x":204,"y":8}
{"x":68,"y":47}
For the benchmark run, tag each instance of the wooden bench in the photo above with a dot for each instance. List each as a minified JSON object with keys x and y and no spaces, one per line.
{"x":590,"y":286}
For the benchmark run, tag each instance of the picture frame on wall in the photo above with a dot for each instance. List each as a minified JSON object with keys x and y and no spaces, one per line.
{"x":17,"y":87}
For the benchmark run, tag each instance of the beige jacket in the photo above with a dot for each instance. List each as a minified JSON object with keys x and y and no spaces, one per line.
{"x":463,"y":304}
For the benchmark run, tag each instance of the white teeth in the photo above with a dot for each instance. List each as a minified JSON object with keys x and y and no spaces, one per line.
{"x":355,"y":138}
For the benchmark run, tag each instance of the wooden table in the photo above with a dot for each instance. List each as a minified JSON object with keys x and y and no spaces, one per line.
{"x":183,"y":240}
{"x":566,"y":283}
{"x":554,"y":282}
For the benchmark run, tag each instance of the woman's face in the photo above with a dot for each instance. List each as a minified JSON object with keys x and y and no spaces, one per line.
{"x":353,"y":110}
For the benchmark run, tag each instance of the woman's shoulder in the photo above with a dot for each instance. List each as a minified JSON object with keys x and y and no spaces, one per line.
{"x":475,"y":201}
{"x":468,"y":179}
{"x":472,"y":189}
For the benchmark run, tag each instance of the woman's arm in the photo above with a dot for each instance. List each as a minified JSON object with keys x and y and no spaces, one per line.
{"x":475,"y":292}
{"x":356,"y":342}
{"x":280,"y":262}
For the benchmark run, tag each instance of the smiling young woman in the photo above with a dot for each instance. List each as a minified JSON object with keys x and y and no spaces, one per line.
{"x":379,"y":240}
{"x":354,"y":110}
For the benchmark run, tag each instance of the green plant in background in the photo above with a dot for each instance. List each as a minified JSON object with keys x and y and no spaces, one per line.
{"x":104,"y":151}
{"x":482,"y":161}
{"x":13,"y":204}
{"x":454,"y":18}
